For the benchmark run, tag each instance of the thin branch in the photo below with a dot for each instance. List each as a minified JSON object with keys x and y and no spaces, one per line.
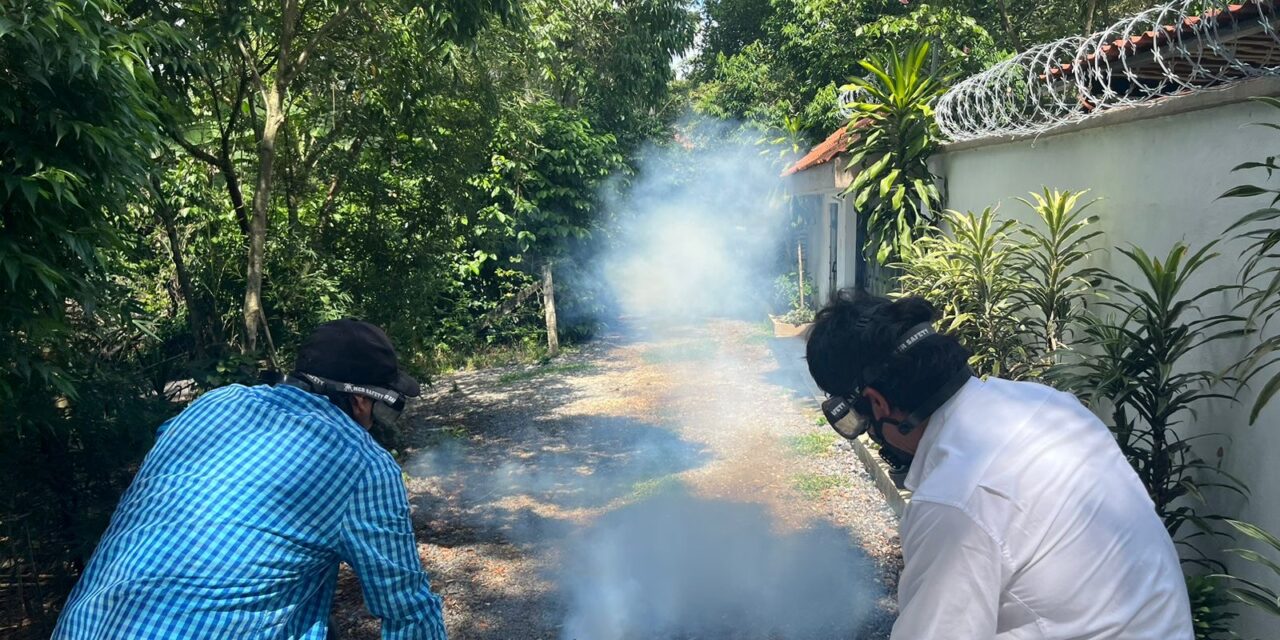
{"x":241,"y":88}
{"x":318,"y":147}
{"x":335,"y":186}
{"x":253,"y":68}
{"x":196,"y":152}
{"x":309,"y":48}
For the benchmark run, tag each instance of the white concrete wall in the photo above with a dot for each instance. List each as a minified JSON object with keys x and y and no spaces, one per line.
{"x":848,"y":246}
{"x":1159,"y":178}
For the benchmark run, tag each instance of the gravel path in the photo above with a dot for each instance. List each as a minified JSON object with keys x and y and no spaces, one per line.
{"x":604,"y":497}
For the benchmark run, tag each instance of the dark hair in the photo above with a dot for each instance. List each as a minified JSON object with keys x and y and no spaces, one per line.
{"x":852,"y":341}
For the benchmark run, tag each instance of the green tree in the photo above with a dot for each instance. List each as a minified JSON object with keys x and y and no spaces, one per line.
{"x":239,"y":88}
{"x":77,"y":126}
{"x":894,"y":189}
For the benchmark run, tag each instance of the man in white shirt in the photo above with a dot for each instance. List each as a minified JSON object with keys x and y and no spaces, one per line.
{"x":1025,"y":520}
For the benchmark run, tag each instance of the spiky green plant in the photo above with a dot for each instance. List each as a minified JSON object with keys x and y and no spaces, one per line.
{"x":1252,"y":592}
{"x":973,"y":275}
{"x":1137,"y":367}
{"x":895,"y":189}
{"x":1059,"y":278}
{"x":1260,"y":272}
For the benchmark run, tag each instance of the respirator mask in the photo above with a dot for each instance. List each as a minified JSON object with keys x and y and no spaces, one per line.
{"x":852,"y":415}
{"x":387,"y":406}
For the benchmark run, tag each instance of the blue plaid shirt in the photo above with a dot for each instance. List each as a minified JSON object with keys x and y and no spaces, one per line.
{"x":235,"y":525}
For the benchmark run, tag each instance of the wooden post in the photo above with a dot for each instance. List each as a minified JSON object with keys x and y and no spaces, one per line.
{"x":549,"y":306}
{"x":800,"y":271}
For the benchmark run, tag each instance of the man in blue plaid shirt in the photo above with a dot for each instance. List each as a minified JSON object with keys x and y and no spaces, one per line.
{"x":240,"y":515}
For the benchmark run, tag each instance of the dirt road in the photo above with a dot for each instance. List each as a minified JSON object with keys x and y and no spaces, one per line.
{"x":514,"y":473}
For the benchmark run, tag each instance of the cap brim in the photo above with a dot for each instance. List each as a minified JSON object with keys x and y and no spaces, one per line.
{"x":404,"y":383}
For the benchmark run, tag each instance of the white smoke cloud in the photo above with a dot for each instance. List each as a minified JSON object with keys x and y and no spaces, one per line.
{"x":701,"y":234}
{"x":677,"y":566}
{"x":700,"y":228}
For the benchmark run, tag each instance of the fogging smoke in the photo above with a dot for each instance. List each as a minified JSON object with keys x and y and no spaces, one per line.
{"x":700,"y":231}
{"x":680,"y":567}
{"x":700,"y":228}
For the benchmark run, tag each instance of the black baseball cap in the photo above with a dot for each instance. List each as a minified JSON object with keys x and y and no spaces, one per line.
{"x":357,"y":352}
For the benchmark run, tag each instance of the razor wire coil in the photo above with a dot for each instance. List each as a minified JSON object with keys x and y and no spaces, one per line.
{"x":1178,"y":48}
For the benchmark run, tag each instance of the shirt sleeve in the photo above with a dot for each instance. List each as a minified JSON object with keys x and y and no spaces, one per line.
{"x":953,"y":575}
{"x":377,"y":541}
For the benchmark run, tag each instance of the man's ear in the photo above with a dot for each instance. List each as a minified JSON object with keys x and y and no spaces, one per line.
{"x":362,"y":408}
{"x":879,"y":405}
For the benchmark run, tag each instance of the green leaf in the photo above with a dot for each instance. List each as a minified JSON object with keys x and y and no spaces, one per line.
{"x":1244,"y":191}
{"x":1257,"y":599}
{"x":1264,"y":397}
{"x":1255,"y":532}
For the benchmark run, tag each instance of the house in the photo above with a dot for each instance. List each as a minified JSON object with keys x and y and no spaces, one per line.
{"x":830,"y":235}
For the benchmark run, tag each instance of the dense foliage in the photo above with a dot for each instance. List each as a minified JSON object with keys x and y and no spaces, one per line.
{"x":1013,"y":293}
{"x":189,"y":187}
{"x":764,"y":62}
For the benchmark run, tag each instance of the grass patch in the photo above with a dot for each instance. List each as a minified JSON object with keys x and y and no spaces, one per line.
{"x":682,"y":352}
{"x":812,"y":485}
{"x":815,"y":443}
{"x":654,"y":486}
{"x":544,"y":370}
{"x":439,"y":435}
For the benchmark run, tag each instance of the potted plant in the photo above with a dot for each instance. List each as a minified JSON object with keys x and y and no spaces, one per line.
{"x":798,"y":316}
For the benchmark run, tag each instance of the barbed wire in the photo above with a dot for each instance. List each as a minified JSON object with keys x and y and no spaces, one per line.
{"x":1178,"y":48}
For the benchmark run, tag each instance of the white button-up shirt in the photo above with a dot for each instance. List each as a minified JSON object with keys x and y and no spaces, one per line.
{"x":1027,"y":522}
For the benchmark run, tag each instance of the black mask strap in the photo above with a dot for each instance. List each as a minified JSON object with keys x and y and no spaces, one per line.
{"x":317,"y":384}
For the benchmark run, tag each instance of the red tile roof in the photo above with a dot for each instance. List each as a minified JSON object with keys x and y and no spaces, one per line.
{"x":826,"y":151}
{"x":1148,"y":40}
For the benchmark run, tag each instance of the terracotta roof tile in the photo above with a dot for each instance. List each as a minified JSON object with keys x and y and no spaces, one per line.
{"x":826,"y":151}
{"x":1148,"y":40}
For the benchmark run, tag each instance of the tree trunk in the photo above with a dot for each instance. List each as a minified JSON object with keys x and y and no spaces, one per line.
{"x":549,"y":305}
{"x":253,"y":313}
{"x":800,"y":273}
{"x":196,"y":320}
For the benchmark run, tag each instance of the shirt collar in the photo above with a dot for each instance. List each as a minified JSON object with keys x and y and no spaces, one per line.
{"x":933,"y":431}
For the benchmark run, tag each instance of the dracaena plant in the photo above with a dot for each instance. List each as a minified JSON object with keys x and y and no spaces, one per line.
{"x":1014,"y":294}
{"x":1137,"y":368}
{"x":1059,"y":279}
{"x":1260,"y":302}
{"x":972,"y":274}
{"x":1260,"y":270}
{"x":1254,"y":592}
{"x":893,"y":186}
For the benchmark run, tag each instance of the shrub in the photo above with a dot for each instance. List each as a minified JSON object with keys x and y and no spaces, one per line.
{"x":787,"y":293}
{"x":1136,"y":369}
{"x":1058,"y":281}
{"x":1256,"y":594}
{"x":896,"y":191}
{"x":1011,"y":293}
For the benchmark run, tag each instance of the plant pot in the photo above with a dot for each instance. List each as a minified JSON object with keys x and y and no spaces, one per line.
{"x":787,"y":330}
